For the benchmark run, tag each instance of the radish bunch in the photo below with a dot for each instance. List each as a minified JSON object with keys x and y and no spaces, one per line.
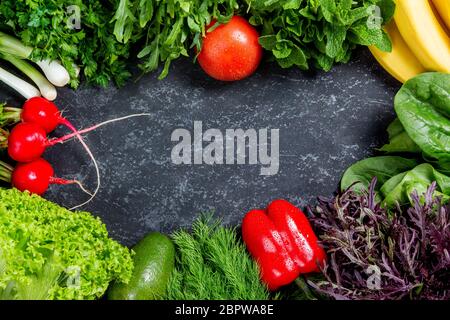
{"x":28,"y":140}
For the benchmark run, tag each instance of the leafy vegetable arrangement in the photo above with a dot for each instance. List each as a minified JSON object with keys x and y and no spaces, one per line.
{"x":212,"y":263}
{"x":298,"y":33}
{"x":48,"y":252}
{"x":423,"y":127}
{"x":310,"y":33}
{"x":376,"y":253}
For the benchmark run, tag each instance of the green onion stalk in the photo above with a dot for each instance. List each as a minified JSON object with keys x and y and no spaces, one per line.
{"x":16,"y":53}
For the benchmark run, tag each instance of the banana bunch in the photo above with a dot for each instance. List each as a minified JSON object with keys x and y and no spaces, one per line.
{"x":420,"y":36}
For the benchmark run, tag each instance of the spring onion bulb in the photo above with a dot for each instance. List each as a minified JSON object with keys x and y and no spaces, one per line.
{"x":54,"y":72}
{"x":47,"y":90}
{"x":21,"y":86}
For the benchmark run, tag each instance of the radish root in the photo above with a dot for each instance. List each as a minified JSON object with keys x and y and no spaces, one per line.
{"x":55,"y":180}
{"x":65,"y":138}
{"x":77,"y":133}
{"x":94,"y":161}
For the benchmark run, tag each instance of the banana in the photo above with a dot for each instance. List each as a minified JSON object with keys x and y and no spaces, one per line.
{"x":423,"y":34}
{"x":400,"y":62}
{"x":443,"y":7}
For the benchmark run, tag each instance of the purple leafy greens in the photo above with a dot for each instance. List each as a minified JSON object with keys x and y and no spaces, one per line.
{"x":376,"y":253}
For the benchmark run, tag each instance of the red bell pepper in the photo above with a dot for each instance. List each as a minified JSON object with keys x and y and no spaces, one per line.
{"x":282,"y":242}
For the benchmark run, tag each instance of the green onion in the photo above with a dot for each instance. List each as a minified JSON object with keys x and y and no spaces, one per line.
{"x":21,"y":86}
{"x":47,"y":90}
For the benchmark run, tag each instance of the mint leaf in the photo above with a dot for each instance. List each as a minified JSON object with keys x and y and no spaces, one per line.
{"x":268,"y":42}
{"x":335,"y":36}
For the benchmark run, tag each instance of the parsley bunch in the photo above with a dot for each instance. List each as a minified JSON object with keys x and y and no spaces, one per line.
{"x":45,"y":26}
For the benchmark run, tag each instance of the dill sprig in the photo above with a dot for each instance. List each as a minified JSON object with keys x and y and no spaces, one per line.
{"x":213,"y":264}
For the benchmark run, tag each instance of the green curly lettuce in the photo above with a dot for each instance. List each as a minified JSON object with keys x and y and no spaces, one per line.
{"x":48,"y":252}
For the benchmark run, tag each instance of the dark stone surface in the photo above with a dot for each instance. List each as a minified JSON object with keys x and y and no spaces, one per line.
{"x":326,"y":121}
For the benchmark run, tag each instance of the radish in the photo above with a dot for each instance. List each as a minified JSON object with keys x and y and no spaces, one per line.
{"x":44,"y":113}
{"x":35,"y":176}
{"x":28,"y":140}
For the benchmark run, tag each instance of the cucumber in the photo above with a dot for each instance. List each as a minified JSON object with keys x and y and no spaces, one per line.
{"x":154,"y":261}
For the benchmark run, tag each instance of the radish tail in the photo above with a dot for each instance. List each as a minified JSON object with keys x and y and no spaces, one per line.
{"x":55,"y":180}
{"x":82,"y":131}
{"x":94,"y":161}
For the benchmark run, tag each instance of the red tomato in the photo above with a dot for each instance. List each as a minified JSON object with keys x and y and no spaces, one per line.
{"x":231,"y":51}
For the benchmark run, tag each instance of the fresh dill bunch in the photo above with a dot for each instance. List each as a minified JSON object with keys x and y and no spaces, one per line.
{"x":213,"y":264}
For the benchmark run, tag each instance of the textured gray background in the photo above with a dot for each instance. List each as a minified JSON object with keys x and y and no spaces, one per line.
{"x":326,"y":121}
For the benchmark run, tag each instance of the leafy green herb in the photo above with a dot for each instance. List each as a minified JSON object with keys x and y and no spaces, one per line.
{"x":45,"y":26}
{"x":212,"y":263}
{"x":319,"y":33}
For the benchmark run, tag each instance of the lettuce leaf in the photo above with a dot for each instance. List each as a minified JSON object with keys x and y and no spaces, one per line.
{"x":48,"y":252}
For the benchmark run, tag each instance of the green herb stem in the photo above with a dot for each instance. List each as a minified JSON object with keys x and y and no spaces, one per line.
{"x":5,"y":172}
{"x":9,"y":115}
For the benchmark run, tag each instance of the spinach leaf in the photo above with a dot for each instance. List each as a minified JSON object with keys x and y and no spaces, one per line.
{"x":384,"y":168}
{"x":399,"y":141}
{"x":400,"y":187}
{"x":423,"y":108}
